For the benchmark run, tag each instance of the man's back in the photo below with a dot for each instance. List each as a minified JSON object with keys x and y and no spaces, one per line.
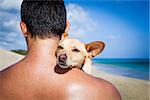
{"x":26,"y":82}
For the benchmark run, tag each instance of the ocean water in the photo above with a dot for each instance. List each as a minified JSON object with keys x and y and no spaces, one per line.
{"x":135,"y":68}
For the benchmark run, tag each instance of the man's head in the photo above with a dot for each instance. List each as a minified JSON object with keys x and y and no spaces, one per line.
{"x":43,"y":19}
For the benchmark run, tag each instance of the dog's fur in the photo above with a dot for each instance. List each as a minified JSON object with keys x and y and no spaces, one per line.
{"x":73,"y":53}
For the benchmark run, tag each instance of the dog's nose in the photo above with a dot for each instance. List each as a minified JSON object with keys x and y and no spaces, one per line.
{"x":63,"y":57}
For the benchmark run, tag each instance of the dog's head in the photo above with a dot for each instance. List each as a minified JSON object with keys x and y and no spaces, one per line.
{"x":72,"y":52}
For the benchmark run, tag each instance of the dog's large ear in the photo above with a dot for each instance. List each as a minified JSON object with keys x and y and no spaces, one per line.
{"x":94,"y":48}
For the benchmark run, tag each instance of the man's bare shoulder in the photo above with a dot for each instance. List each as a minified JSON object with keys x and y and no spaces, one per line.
{"x":109,"y":90}
{"x":89,"y":88}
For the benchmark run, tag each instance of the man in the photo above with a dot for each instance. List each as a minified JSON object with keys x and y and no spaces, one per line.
{"x":34,"y":77}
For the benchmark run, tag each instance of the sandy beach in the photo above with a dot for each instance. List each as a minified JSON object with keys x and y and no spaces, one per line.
{"x":129,"y":88}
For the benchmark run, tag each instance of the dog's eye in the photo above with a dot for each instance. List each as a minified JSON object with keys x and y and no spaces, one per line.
{"x":75,"y":50}
{"x":60,"y":47}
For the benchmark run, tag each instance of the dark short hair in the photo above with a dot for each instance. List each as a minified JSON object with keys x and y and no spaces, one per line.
{"x":44,"y":19}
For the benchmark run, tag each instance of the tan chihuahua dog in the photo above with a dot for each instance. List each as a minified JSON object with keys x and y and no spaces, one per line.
{"x":73,"y":53}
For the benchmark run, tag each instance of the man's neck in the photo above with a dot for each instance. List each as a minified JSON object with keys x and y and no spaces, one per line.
{"x":42,"y":51}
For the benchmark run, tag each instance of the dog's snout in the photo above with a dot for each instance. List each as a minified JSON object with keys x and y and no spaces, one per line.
{"x":63,"y":57}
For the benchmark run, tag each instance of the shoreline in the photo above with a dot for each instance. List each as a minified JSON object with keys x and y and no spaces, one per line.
{"x":123,"y":70}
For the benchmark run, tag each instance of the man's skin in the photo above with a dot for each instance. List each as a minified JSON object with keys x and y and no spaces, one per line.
{"x":34,"y":77}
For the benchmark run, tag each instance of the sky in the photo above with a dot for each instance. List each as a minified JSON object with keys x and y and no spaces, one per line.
{"x":122,"y":25}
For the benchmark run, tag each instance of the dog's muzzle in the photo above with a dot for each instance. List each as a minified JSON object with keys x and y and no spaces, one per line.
{"x":62,"y":59}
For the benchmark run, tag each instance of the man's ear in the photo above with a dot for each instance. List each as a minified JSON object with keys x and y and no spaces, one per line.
{"x":65,"y":34}
{"x":67,"y":26}
{"x":24,"y":28}
{"x":94,"y":48}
